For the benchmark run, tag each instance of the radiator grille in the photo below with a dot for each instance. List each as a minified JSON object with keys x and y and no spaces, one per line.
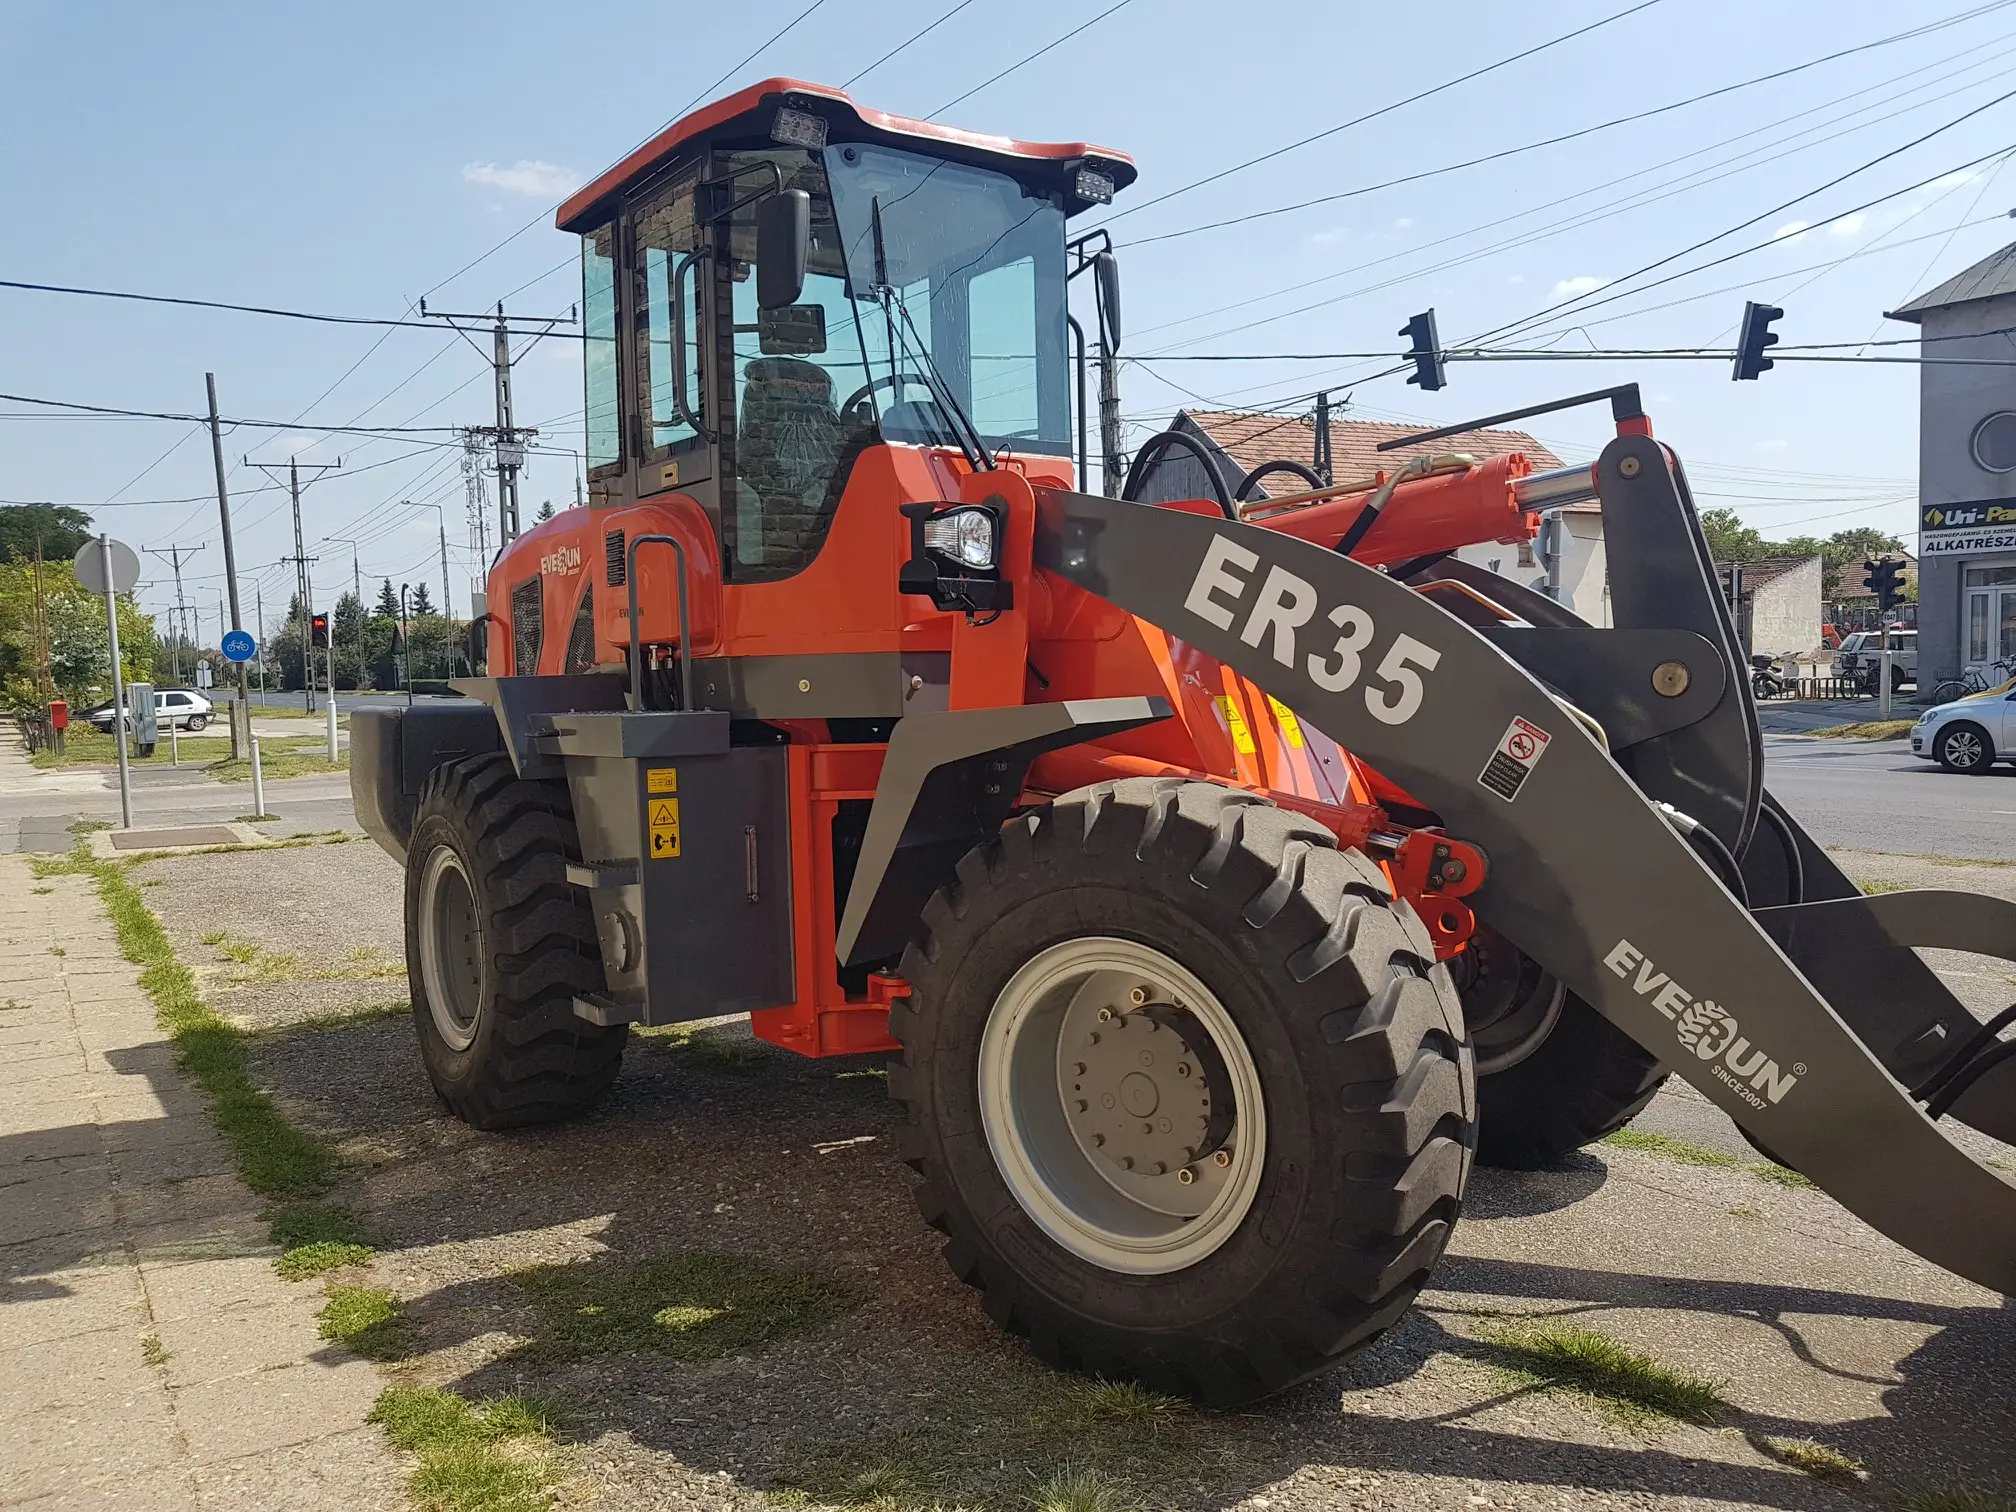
{"x":581,"y":638}
{"x":528,"y":615}
{"x":613,"y":546}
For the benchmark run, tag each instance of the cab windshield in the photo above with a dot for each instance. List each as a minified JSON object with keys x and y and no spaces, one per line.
{"x":955,"y":276}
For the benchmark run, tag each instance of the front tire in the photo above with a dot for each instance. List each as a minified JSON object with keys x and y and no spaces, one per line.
{"x":1964,"y":748}
{"x":498,"y":944}
{"x":1317,"y":1089}
{"x":196,"y":722}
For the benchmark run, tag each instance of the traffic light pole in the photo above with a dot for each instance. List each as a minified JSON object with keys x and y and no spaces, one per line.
{"x":1883,"y":671}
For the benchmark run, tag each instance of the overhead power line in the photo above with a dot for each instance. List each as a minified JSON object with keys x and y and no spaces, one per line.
{"x":1032,"y":57}
{"x":906,"y":43}
{"x":104,"y":409}
{"x":1570,"y":136}
{"x":1373,"y":115}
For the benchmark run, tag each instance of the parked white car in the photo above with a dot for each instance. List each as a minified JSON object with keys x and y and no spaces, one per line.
{"x":1969,"y":734}
{"x":183,"y":707}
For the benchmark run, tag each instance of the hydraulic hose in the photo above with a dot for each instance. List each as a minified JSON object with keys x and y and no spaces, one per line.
{"x":1710,"y":845}
{"x":1281,"y":464}
{"x":1795,"y":868}
{"x":1160,"y":442}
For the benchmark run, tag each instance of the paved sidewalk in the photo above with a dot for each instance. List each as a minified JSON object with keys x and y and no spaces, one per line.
{"x":120,"y":1222}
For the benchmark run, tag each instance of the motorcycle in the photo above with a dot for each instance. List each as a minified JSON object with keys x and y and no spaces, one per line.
{"x":1766,"y":681}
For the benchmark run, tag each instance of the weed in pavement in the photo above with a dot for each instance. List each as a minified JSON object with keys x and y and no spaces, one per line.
{"x":1699,"y":1155}
{"x":300,"y":760}
{"x":730,"y":1051}
{"x":1954,"y":1496}
{"x":1078,"y":1488}
{"x":151,"y":1352}
{"x":1874,"y":888}
{"x":1816,"y":1459}
{"x":492,"y":1456}
{"x":345,"y":1018}
{"x":1632,"y":1386}
{"x":315,"y":1238}
{"x":689,"y":1304}
{"x":1868,"y":729}
{"x":366,"y":1320}
{"x":1780,"y":1175}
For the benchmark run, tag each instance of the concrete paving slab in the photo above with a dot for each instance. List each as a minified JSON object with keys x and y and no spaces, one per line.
{"x":341,"y":1473}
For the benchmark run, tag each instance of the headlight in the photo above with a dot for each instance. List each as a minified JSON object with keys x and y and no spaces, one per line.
{"x":964,"y":535}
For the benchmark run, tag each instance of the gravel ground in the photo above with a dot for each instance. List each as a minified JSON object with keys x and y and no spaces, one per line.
{"x":1818,"y":1327}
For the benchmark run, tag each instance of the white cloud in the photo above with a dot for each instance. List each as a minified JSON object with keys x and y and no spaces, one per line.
{"x":1848,"y":225}
{"x":529,"y":176}
{"x":1334,"y":234}
{"x":1582,"y":283}
{"x":1774,"y":445}
{"x":1403,"y":223}
{"x":1516,"y":278}
{"x":1791,"y":231}
{"x":1662,"y":398}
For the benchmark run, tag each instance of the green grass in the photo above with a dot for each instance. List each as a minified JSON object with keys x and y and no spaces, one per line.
{"x":263,"y":965}
{"x":490,"y":1456}
{"x":301,"y":758}
{"x":315,"y":1238}
{"x":688,"y":1304}
{"x":1954,"y":1496}
{"x":1873,"y":889}
{"x":1630,"y":1385}
{"x":728,"y":1050}
{"x":1127,"y":1448}
{"x":274,"y":1157}
{"x":342,"y":1018}
{"x":151,"y":1352}
{"x":85,"y":746}
{"x":1680,"y":1151}
{"x":366,"y":1320}
{"x":1816,"y":1459}
{"x":1868,"y":729}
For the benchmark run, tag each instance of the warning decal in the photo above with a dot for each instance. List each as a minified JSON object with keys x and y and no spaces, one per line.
{"x":1519,"y":751}
{"x":1235,"y":722}
{"x":664,"y":824}
{"x":1284,"y":716}
{"x":661,"y":780}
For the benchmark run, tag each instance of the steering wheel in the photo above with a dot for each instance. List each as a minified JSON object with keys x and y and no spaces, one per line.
{"x":887,"y":380}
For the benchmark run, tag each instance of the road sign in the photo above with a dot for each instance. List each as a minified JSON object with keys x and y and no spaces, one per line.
{"x":90,"y":563}
{"x":238,"y":646}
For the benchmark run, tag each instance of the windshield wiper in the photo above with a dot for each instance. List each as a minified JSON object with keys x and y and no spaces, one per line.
{"x":971,"y":443}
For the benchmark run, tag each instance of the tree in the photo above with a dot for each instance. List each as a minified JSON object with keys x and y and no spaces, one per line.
{"x":79,"y":652}
{"x":545,"y":511}
{"x":60,"y":529}
{"x":1730,"y":540}
{"x":417,"y":601}
{"x":388,"y":602}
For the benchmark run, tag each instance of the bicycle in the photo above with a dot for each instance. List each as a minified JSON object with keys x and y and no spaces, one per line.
{"x":1976,"y":679}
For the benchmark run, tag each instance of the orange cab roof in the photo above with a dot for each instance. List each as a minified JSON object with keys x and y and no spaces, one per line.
{"x":970,"y":145}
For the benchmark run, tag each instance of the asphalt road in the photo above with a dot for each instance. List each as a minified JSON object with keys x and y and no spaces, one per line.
{"x":1877,"y":796}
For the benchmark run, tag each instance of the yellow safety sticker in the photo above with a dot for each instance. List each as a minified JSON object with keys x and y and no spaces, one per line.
{"x":661,"y":780}
{"x":1235,"y":720}
{"x":1285,"y":717}
{"x":664,"y":817}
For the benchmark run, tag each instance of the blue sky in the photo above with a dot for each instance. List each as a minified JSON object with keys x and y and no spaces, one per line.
{"x":353,"y":158}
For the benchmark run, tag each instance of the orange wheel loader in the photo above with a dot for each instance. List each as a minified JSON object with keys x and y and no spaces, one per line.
{"x":1227,"y":875}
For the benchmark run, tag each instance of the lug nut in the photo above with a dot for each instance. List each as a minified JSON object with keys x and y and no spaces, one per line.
{"x":1105,"y":1015}
{"x":1222,"y":1159}
{"x":1186,"y":1176}
{"x":1138,"y":996}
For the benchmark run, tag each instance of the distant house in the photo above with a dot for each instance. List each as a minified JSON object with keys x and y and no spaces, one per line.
{"x":1966,"y":468}
{"x":1241,"y":442}
{"x":1780,"y":613}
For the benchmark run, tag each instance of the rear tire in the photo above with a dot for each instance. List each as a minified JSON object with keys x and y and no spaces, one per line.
{"x":197,"y":722}
{"x":1344,"y":1034}
{"x":1588,"y":1078}
{"x":498,"y":944}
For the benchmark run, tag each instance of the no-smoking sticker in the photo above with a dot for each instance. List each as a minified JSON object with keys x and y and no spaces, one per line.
{"x":1519,"y":751}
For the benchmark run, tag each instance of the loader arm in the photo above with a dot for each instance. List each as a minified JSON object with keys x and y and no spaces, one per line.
{"x":1585,"y":875}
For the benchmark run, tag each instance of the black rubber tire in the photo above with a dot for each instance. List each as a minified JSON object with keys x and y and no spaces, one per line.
{"x":197,"y":722}
{"x":1984,"y":764}
{"x":1588,"y":1079}
{"x":1355,"y":1032}
{"x":532,"y":1059}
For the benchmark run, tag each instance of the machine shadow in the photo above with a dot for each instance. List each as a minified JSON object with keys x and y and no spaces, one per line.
{"x":748,"y":1151}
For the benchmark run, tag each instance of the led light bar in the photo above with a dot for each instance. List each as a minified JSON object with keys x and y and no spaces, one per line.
{"x":1094,"y":187}
{"x":799,"y":128}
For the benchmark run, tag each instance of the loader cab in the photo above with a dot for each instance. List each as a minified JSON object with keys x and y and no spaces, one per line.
{"x":933,"y":295}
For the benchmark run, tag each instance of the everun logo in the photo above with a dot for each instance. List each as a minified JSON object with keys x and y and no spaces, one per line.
{"x":1705,"y":1027}
{"x":564,"y":562}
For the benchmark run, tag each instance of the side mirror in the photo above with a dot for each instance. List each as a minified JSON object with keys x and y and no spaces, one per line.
{"x":783,"y":248}
{"x":1106,"y":270}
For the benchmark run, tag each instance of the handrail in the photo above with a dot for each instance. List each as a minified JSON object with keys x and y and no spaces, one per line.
{"x":685,"y":630}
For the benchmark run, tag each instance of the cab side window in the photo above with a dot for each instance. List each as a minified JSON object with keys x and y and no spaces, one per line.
{"x":598,"y":352}
{"x":664,"y":231}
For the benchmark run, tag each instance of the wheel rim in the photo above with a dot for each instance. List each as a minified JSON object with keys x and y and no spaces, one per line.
{"x":1103,"y":1060}
{"x":451,"y":949}
{"x":1963,"y":748}
{"x":1510,"y":1005}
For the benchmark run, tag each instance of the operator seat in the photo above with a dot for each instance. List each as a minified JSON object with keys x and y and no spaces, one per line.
{"x":788,"y":441}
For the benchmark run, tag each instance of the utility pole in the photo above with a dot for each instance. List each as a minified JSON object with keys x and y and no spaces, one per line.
{"x":240,"y":741}
{"x":508,"y":440}
{"x":447,"y":603}
{"x":1109,"y":420}
{"x":259,"y":602}
{"x":45,"y":677}
{"x":301,"y":560}
{"x":1319,"y":459}
{"x":174,"y":554}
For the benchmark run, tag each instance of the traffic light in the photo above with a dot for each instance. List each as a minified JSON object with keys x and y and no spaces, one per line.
{"x":1424,"y":351}
{"x":318,"y":631}
{"x":1754,"y":337}
{"x":1886,"y":580}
